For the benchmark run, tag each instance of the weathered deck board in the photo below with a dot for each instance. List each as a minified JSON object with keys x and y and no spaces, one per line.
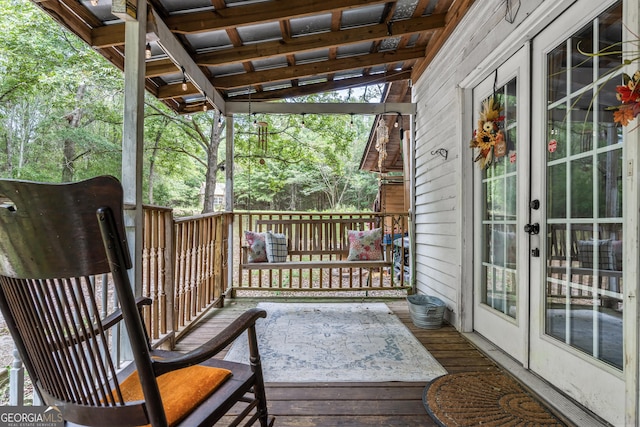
{"x":353,"y":404}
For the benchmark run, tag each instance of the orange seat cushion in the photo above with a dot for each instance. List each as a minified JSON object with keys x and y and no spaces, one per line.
{"x":181,"y":390}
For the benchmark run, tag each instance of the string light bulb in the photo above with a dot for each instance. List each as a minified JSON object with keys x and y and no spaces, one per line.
{"x":351,"y":121}
{"x":147,"y":51}
{"x":204,"y":107}
{"x":303,"y":125}
{"x":184,"y":81}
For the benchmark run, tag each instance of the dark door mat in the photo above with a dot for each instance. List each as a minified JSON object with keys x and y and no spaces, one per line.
{"x":486,"y":399}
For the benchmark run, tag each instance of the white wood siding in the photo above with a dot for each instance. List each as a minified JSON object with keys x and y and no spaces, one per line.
{"x":442,"y":262}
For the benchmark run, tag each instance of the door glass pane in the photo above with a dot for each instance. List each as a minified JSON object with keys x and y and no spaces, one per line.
{"x":584,"y":194}
{"x":499,"y":188}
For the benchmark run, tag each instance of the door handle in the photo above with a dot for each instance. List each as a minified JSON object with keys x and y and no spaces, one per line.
{"x":532,"y":228}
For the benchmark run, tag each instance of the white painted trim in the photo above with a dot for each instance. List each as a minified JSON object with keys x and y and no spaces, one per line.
{"x":631,"y":278}
{"x":465,"y":216}
{"x":238,"y":107}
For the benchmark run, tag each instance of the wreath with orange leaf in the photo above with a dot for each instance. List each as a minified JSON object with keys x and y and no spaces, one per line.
{"x":488,"y":138}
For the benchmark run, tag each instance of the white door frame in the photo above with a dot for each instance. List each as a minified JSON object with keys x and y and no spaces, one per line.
{"x":521,"y":35}
{"x":594,"y":384}
{"x":511,"y":334}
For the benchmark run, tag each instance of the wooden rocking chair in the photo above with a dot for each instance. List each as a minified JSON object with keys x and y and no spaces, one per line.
{"x":54,"y":239}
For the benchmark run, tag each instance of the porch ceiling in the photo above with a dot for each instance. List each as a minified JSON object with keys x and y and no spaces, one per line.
{"x":271,"y":49}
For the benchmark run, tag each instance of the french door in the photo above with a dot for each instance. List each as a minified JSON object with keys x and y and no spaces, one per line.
{"x":501,"y":193}
{"x":576,"y":339}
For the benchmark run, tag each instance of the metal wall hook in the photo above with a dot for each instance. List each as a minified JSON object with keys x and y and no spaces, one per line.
{"x":441,"y":151}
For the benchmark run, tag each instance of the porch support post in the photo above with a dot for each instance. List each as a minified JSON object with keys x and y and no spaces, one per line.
{"x":412,"y":202}
{"x":133,"y":137}
{"x":229,"y":196}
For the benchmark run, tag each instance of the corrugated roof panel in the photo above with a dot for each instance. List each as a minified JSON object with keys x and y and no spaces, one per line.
{"x":312,"y":80}
{"x":389,"y":44}
{"x":269,"y":63}
{"x":276,"y":86}
{"x":311,"y":24}
{"x":181,"y":6}
{"x":208,"y":41}
{"x":412,"y":40}
{"x":378,"y":69}
{"x":226,"y":70}
{"x":362,"y":16}
{"x":349,"y":74}
{"x":231,"y":3}
{"x":260,"y":32}
{"x":314,"y":56}
{"x":102,"y":11}
{"x":354,"y":49}
{"x":240,"y":91}
{"x":405,"y":9}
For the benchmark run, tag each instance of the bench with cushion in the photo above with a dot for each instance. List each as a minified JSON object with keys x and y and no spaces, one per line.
{"x":346,"y":244}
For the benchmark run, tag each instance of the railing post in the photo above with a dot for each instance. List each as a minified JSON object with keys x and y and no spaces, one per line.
{"x":16,"y":380}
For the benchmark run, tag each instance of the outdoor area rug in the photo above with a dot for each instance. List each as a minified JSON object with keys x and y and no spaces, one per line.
{"x":336,"y":342}
{"x":484,"y":398}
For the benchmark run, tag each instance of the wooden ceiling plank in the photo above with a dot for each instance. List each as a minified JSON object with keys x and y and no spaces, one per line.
{"x":317,"y":68}
{"x":320,"y":41}
{"x":172,"y":46}
{"x":256,"y":13}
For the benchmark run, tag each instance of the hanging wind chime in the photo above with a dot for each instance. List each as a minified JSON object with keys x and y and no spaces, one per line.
{"x":263,"y":134}
{"x":382,"y":139}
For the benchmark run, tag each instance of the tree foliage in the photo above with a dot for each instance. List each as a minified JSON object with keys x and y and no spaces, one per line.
{"x":61,"y":113}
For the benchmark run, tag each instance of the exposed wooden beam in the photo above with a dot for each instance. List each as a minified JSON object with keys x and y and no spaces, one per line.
{"x":321,"y":108}
{"x":317,"y":68}
{"x":160,"y":67}
{"x":310,"y":89}
{"x":172,"y":46}
{"x":67,"y":18}
{"x":320,"y":41}
{"x":231,"y":17}
{"x":173,"y":91}
{"x":257,"y":13}
{"x":301,"y":44}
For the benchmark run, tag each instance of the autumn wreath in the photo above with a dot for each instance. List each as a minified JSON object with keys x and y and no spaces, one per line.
{"x":488,"y":138}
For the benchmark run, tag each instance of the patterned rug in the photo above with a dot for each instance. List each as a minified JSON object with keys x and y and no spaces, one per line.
{"x":484,"y":398}
{"x":335,"y":342}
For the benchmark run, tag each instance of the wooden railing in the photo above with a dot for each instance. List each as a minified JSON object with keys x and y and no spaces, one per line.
{"x":184,"y":269}
{"x":200,"y":265}
{"x":185,"y":266}
{"x":318,"y":247}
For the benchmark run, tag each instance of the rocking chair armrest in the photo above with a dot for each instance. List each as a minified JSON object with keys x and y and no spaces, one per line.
{"x":116,"y":316}
{"x":214,"y":346}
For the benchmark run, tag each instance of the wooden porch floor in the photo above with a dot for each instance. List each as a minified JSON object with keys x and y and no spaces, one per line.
{"x":353,"y":404}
